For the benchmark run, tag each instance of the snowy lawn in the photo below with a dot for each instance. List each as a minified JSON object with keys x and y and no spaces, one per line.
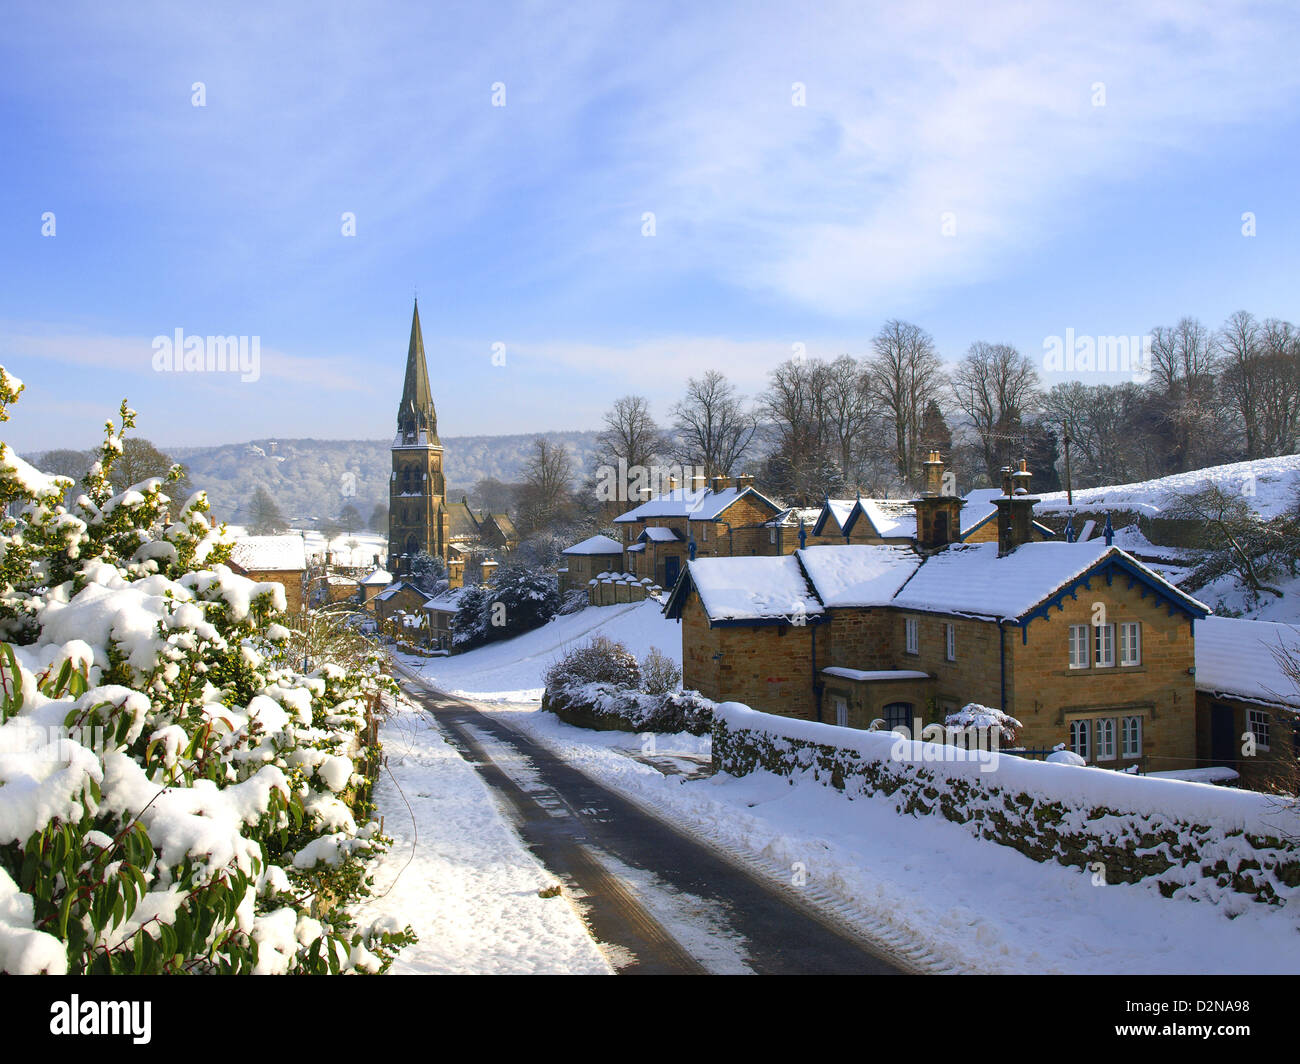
{"x":511,"y":670}
{"x":984,"y":906}
{"x":459,"y":875}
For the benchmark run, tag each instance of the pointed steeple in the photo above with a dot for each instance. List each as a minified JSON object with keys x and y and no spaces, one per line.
{"x":416,"y":413}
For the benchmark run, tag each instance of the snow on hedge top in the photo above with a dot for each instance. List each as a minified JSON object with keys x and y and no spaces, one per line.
{"x":971,"y":579}
{"x":270,"y":553}
{"x":32,"y":480}
{"x":1083,"y":787}
{"x":702,"y":505}
{"x":1268,"y":484}
{"x":595,"y":545}
{"x":858,"y":574}
{"x":1235,"y":657}
{"x":754,"y":588}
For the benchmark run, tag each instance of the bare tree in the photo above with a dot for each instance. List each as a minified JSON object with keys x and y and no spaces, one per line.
{"x":1240,"y":359}
{"x":630,"y":434}
{"x":905,"y":375}
{"x":1279,"y":391}
{"x":847,"y":410}
{"x":1183,"y":362}
{"x":546,"y":498}
{"x":713,"y":425}
{"x":995,"y":387}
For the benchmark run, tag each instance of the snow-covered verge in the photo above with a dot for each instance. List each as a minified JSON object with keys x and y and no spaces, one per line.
{"x":512,"y":670}
{"x":174,"y":795}
{"x":1231,"y":848}
{"x":458,"y":874}
{"x":924,"y":879}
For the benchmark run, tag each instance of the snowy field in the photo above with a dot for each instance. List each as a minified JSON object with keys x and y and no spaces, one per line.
{"x":459,"y":875}
{"x":368,"y":544}
{"x":511,"y":671}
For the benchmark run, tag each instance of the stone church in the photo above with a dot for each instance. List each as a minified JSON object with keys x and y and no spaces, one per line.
{"x":418,"y":517}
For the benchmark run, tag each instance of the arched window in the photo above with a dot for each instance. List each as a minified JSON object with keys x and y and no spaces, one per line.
{"x":898,"y":715}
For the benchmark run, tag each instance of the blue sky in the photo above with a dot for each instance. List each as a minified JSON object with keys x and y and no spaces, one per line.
{"x":775,"y":224}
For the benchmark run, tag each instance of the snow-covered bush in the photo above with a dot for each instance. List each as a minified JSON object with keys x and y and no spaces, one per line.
{"x":175,"y":794}
{"x":983,"y":719}
{"x":519,"y":601}
{"x":574,"y":600}
{"x":610,"y":707}
{"x":599,"y":660}
{"x":659,"y":673}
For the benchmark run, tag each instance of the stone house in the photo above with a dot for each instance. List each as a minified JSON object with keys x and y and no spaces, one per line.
{"x":585,"y":561}
{"x":372,"y":584}
{"x":719,"y":519}
{"x":439,"y":611}
{"x":282,"y":559}
{"x":1247,"y":705}
{"x":398,"y":597}
{"x":1081,"y":642}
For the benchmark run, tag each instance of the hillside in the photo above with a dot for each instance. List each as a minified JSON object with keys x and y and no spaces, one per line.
{"x":314,"y":479}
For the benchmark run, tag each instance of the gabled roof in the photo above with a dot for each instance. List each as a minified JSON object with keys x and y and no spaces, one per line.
{"x":858,"y":574}
{"x":703,"y":505}
{"x":463,"y":523}
{"x":445,"y":602}
{"x":841,"y":511}
{"x":270,"y":553}
{"x":658,"y":534}
{"x":394,"y":589}
{"x":963,"y":579}
{"x":378,"y":576}
{"x":752,"y":590}
{"x":1236,"y":658}
{"x":971,"y":580}
{"x":503,"y":522}
{"x":891,"y":518}
{"x":595,"y":545}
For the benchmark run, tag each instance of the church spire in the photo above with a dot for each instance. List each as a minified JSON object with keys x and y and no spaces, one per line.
{"x":416,"y":413}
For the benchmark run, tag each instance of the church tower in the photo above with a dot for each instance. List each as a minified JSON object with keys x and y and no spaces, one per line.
{"x":417,"y":511}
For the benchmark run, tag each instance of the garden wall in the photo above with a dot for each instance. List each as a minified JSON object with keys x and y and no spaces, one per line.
{"x":1189,"y":839}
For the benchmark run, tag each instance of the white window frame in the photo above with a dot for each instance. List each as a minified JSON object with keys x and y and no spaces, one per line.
{"x":950,"y":641}
{"x":841,"y":711}
{"x":1130,"y":643}
{"x":704,"y":531}
{"x":1103,"y":646}
{"x":771,"y":535}
{"x":1257,"y":721}
{"x":1080,"y":640}
{"x":1131,"y":737}
{"x":1105,"y":738}
{"x":1081,"y":738}
{"x":912,"y":635}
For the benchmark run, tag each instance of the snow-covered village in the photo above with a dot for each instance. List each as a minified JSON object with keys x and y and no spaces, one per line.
{"x":565,"y":490}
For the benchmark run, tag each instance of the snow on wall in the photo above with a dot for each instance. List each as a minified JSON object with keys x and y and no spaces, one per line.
{"x":1229,"y":847}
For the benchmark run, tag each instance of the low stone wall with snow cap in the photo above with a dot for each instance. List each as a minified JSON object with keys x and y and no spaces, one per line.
{"x":1230,"y":847}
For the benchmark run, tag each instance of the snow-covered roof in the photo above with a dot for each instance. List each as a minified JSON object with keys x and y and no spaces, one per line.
{"x":595,"y":545}
{"x":858,"y":574}
{"x":377,"y":576}
{"x":393,"y":589}
{"x":1235,"y":657}
{"x":656,"y":534}
{"x":971,"y":579}
{"x":891,"y":517}
{"x":445,"y":602}
{"x":753,"y":588}
{"x":270,"y":553}
{"x":876,"y":674}
{"x":703,"y":505}
{"x":840,"y":509}
{"x":978,"y":507}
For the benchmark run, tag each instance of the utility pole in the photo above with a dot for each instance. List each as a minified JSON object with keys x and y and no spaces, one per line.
{"x":1069,"y":492}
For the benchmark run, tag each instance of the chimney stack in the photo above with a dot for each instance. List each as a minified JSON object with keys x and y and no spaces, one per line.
{"x":1015,"y":509}
{"x":745,"y":480}
{"x":720,"y":483}
{"x":938,"y":516}
{"x":697,"y":483}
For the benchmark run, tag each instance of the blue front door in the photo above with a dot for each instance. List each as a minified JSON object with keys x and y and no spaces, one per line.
{"x":672,"y":566}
